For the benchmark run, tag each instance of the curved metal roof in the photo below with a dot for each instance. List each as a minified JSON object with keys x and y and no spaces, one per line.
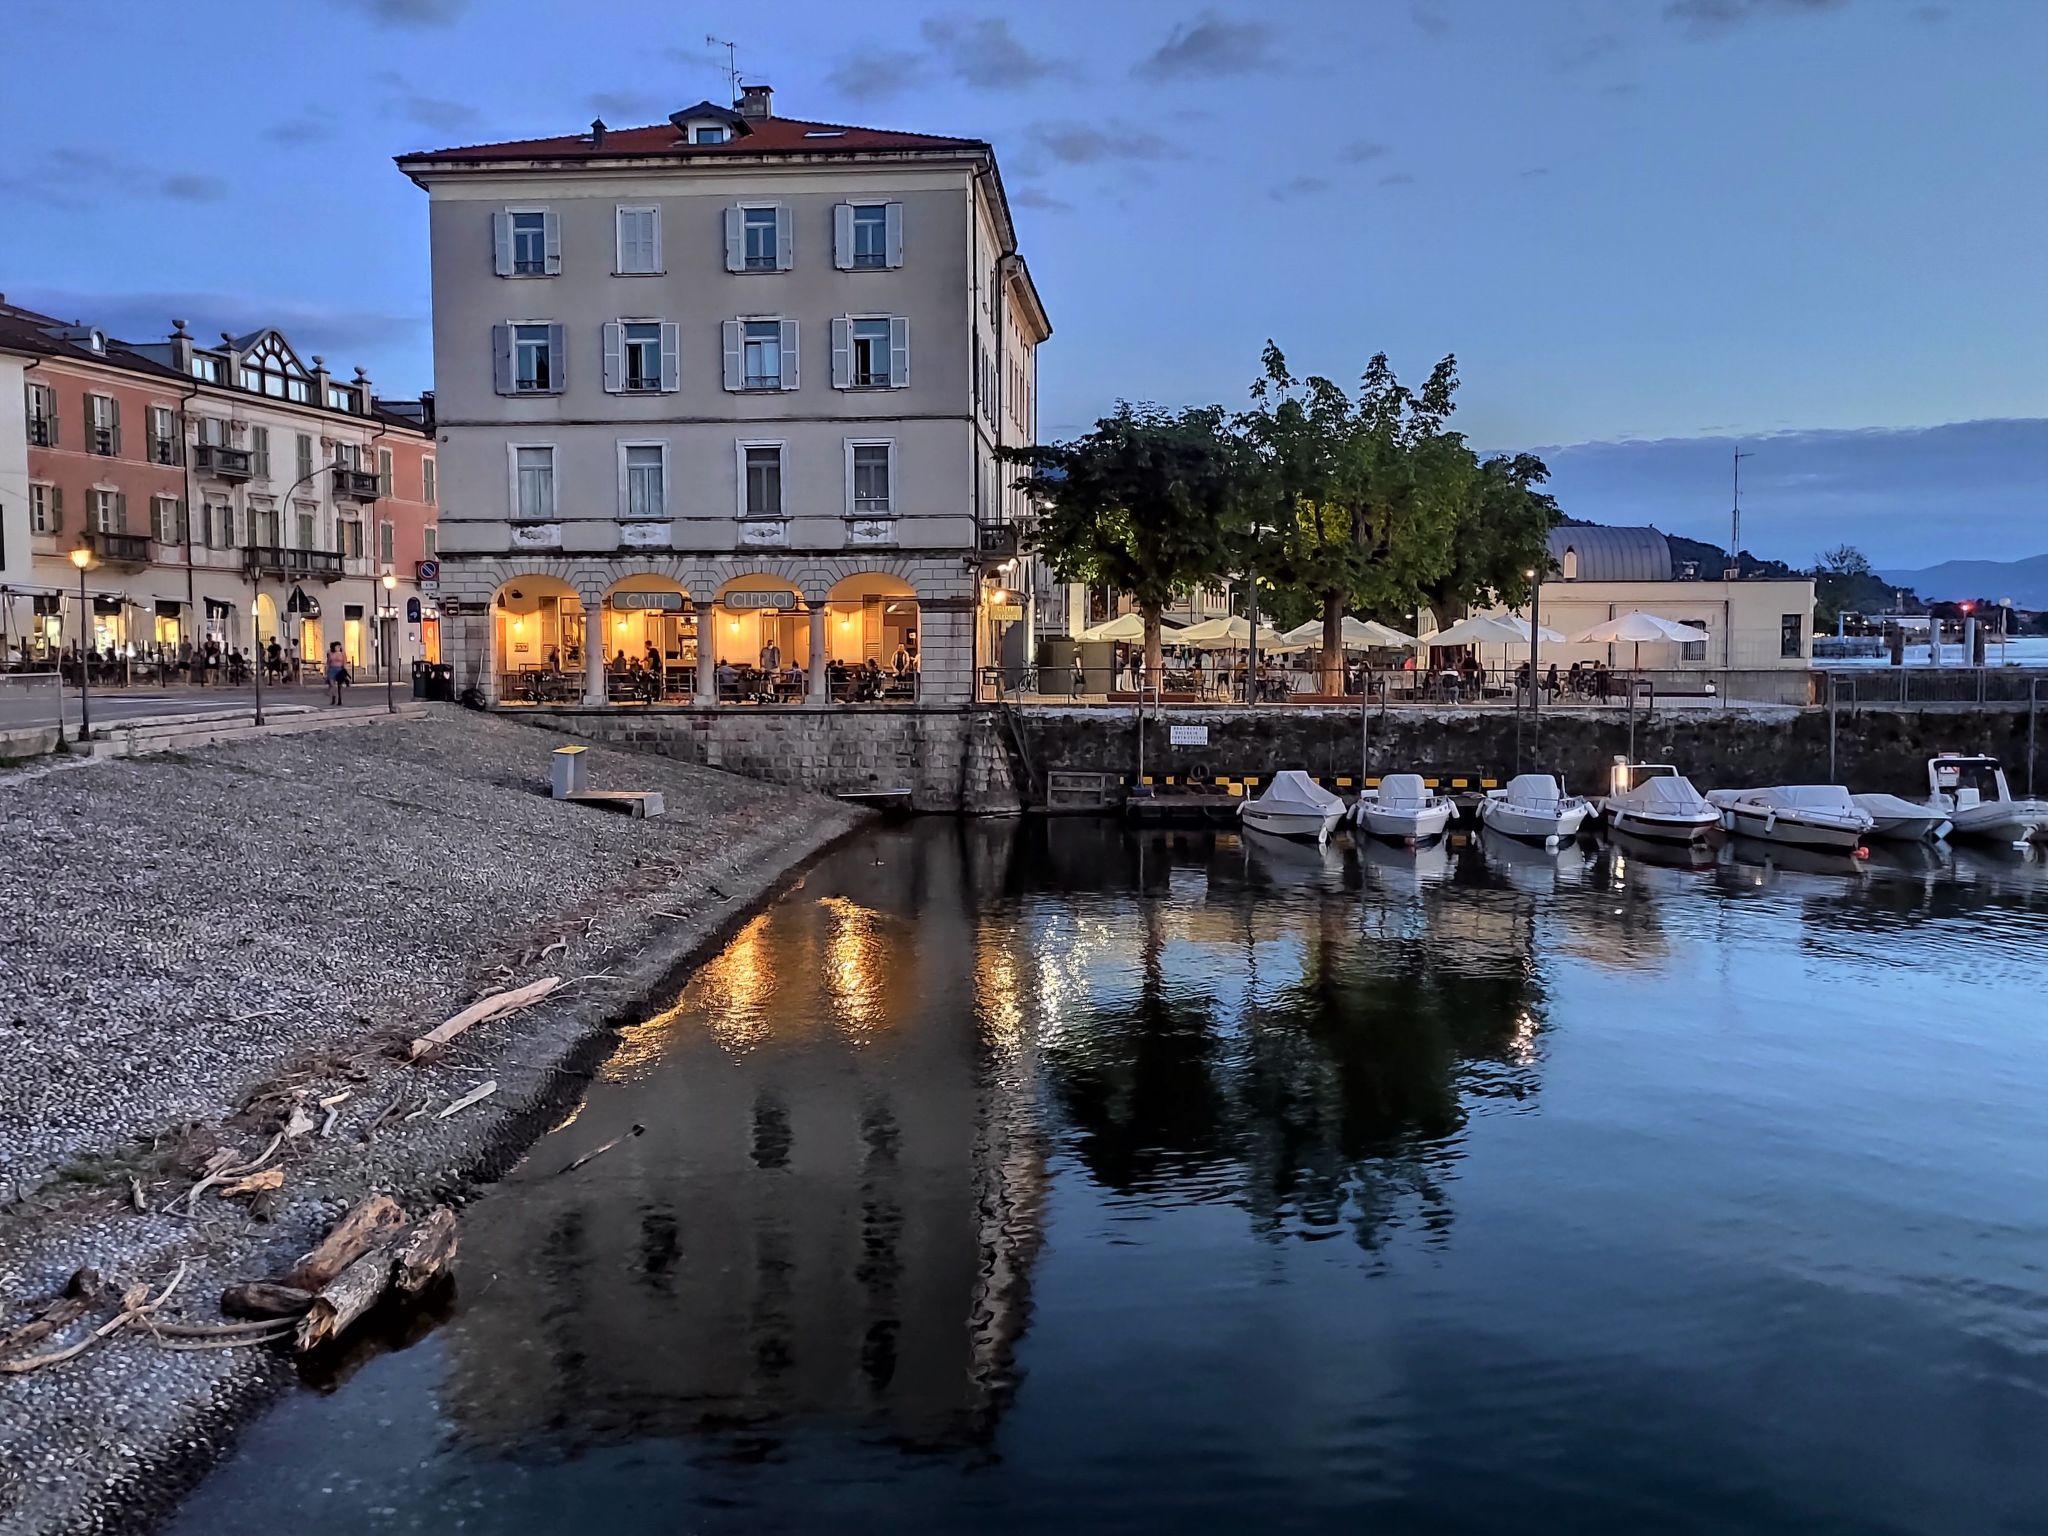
{"x":1613,"y":554}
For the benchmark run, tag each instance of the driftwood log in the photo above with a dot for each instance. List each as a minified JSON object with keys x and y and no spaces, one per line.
{"x":265,"y":1299}
{"x":426,"y":1253}
{"x":370,"y":1223}
{"x":72,"y":1303}
{"x":484,"y":1008}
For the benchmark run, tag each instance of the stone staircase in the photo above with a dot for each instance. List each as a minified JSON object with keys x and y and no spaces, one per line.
{"x":183,"y":733}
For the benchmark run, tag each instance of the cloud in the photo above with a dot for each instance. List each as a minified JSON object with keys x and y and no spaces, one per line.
{"x":876,"y":74}
{"x":1084,"y":143}
{"x":410,"y":13}
{"x":1298,"y":186}
{"x":1209,"y":49}
{"x":1896,"y":493}
{"x":1358,"y":151}
{"x":436,"y":112}
{"x":1709,"y":19}
{"x":71,"y":177}
{"x":338,"y":333}
{"x":984,"y":53}
{"x":1584,"y":55}
{"x":625,"y":106}
{"x":1428,"y":18}
{"x":188,"y":188}
{"x":1038,"y":197}
{"x":299,"y":130}
{"x":1397,"y":179}
{"x":1533,"y":172}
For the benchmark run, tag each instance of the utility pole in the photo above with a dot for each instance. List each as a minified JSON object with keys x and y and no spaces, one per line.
{"x":1735,"y":520}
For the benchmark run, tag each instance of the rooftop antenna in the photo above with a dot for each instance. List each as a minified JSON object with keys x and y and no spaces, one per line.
{"x":1735,"y":518}
{"x":732,"y":64}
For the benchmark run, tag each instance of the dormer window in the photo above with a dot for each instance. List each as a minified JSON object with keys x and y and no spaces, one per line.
{"x":707,"y":133}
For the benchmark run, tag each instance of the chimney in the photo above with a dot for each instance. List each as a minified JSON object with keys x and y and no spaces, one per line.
{"x":181,"y":348}
{"x":597,"y":133}
{"x":757,"y":102}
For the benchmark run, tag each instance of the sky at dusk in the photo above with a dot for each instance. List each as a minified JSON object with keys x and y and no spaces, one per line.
{"x":1651,"y":230}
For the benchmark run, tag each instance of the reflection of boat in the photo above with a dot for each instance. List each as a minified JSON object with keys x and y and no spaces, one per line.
{"x":1922,"y":857}
{"x":1413,"y":868}
{"x":1800,"y":815}
{"x":1972,"y":792}
{"x":1665,"y":851}
{"x":1292,"y":861}
{"x":1534,"y":806}
{"x":1528,"y":866}
{"x":1794,"y":856}
{"x":1293,"y":805}
{"x":1660,"y":804}
{"x":1895,"y":818}
{"x":1403,"y":808}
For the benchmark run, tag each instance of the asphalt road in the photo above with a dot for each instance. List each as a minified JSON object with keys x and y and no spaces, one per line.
{"x":37,"y":705}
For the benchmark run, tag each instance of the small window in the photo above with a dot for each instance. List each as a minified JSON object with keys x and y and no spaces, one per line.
{"x":103,"y":518}
{"x":870,"y":235}
{"x":533,"y":360}
{"x":103,"y":426}
{"x":870,"y":354}
{"x":763,"y":355}
{"x":530,"y":244}
{"x":645,"y":493}
{"x":707,"y":133}
{"x":42,"y":509}
{"x":164,"y":521}
{"x":1790,"y":638}
{"x":871,"y":480}
{"x":305,"y":459}
{"x":430,"y":492}
{"x":639,"y":241}
{"x":302,"y":532}
{"x":535,"y":472}
{"x":351,"y":538}
{"x":263,"y":526}
{"x":758,"y":226}
{"x":642,"y":352}
{"x":387,"y":543}
{"x":764,"y":481}
{"x":430,"y":540}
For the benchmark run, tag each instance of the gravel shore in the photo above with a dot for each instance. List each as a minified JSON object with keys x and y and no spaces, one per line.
{"x":180,"y":935}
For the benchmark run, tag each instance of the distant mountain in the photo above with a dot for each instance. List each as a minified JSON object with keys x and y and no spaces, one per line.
{"x":2024,"y":581}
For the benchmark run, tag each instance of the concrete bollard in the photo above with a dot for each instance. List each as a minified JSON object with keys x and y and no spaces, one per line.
{"x":567,"y":772}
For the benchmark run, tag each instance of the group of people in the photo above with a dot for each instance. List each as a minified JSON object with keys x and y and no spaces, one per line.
{"x":1584,"y":680}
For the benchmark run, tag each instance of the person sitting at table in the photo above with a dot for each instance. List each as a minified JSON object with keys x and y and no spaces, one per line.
{"x":1522,"y":678}
{"x":1550,"y":683}
{"x":728,"y":677}
{"x":835,"y":678}
{"x":619,"y":661}
{"x":871,"y":679}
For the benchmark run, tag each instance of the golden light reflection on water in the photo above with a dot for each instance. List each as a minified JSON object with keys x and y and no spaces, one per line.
{"x":731,"y":993}
{"x":855,"y":957}
{"x":999,"y":997}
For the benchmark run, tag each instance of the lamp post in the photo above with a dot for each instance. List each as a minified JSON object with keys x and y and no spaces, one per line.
{"x":284,"y":504}
{"x":82,"y":558}
{"x":390,"y":635}
{"x":1535,"y":634}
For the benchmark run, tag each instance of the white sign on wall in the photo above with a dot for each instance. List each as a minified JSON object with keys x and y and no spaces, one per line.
{"x":1187,"y":735}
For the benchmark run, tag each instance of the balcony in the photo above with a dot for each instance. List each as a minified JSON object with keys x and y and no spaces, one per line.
{"x":358,"y":484}
{"x":119,"y":548}
{"x":998,"y":541}
{"x":222,"y":462}
{"x":275,"y":560}
{"x":42,"y":431}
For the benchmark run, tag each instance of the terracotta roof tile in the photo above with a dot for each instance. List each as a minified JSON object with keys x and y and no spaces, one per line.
{"x":771,"y":136}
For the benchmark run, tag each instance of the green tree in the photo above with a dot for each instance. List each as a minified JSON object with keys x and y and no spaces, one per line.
{"x":1499,"y":534}
{"x":1843,"y":560}
{"x":1147,"y":503}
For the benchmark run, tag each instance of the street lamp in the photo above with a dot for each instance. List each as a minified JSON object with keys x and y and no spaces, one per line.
{"x":1535,"y":633}
{"x":390,"y":635}
{"x":82,"y":558}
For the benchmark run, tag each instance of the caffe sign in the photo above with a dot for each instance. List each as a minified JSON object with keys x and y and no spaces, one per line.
{"x":663,"y":602}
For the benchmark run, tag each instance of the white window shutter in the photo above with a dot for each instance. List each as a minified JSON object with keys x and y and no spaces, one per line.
{"x":842,"y":236}
{"x":614,"y":357}
{"x":785,"y":248}
{"x":120,"y":512}
{"x":671,"y":357}
{"x":892,"y":232}
{"x":842,"y":353}
{"x":551,"y":223}
{"x":735,"y":242}
{"x":501,"y":358}
{"x":501,"y":242}
{"x":625,"y":506}
{"x":558,"y":359}
{"x":739,"y":469}
{"x":846,"y":443}
{"x":735,"y":359}
{"x":899,"y":352}
{"x":654,"y":223}
{"x":662,"y":505}
{"x":789,"y":355}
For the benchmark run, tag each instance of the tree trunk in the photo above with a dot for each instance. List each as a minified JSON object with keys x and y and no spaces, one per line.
{"x":1333,"y":645}
{"x":1154,"y":659}
{"x":265,"y":1299}
{"x":372,"y":1221}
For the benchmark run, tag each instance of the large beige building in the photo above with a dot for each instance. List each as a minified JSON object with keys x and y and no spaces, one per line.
{"x":727,"y":387}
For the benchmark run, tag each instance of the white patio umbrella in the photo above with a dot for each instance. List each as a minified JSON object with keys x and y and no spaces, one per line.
{"x":1128,"y":626}
{"x":1544,"y":632}
{"x":1358,"y":634}
{"x":1228,"y":634}
{"x":1480,"y":629}
{"x":1634,"y":627}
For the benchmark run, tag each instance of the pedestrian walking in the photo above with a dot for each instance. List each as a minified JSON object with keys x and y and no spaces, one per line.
{"x":337,"y":671}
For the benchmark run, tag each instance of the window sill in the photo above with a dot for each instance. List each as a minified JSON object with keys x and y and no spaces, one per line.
{"x":640,"y":274}
{"x":637,"y":389}
{"x":527,"y":276}
{"x":867,"y":389}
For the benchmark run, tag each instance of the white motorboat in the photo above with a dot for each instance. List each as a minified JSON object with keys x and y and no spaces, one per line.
{"x":1798,"y":815}
{"x":1533,"y":806}
{"x":1293,"y":805}
{"x":1973,"y":794}
{"x":1404,"y":809}
{"x":1896,"y":819}
{"x":1659,"y":803}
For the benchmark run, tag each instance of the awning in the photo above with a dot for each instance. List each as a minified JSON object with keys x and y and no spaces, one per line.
{"x":168,"y":608}
{"x":218,"y":608}
{"x":304,"y":606}
{"x":107,"y":607}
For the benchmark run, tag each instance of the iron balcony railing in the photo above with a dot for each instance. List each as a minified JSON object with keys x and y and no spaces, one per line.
{"x":42,"y":431}
{"x":277,"y":560}
{"x":120,"y":548}
{"x":223,"y":462}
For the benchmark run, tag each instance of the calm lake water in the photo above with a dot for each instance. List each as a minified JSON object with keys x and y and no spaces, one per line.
{"x":1018,"y":1177}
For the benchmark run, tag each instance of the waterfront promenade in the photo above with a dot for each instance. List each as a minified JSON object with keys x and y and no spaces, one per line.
{"x":184,"y":935}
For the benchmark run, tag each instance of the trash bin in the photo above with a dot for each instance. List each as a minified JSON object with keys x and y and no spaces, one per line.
{"x":422,"y":680}
{"x":441,"y":682}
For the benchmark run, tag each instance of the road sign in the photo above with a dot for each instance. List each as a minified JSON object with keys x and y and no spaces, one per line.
{"x":428,"y":573}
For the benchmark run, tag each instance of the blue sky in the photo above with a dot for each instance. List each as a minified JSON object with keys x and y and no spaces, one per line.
{"x":1647,"y":228}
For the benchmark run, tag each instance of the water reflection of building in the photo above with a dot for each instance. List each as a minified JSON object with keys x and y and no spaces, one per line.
{"x":831,"y":1217}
